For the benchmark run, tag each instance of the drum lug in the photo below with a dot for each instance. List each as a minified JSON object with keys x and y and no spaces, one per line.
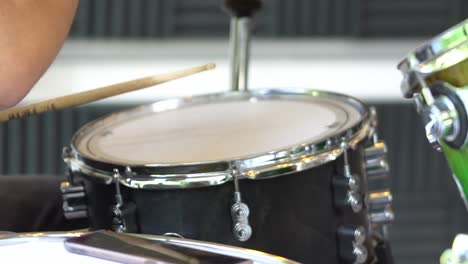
{"x":379,"y":197}
{"x":351,"y":244}
{"x":240,"y":215}
{"x":73,"y":192}
{"x":380,"y":211}
{"x":376,"y":161}
{"x":74,"y":200}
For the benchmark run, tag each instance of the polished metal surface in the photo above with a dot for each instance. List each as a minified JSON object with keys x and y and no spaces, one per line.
{"x":253,"y":255}
{"x":443,"y":120}
{"x":271,"y":164}
{"x":380,"y":211}
{"x":347,"y":189}
{"x":73,"y":196}
{"x":445,"y":50}
{"x":239,"y":53}
{"x":240,"y":215}
{"x":379,"y":199}
{"x":376,"y":163}
{"x":351,"y":247}
{"x":441,"y":117}
{"x":361,"y":254}
{"x":382,"y":216}
{"x":118,"y":223}
{"x":354,"y":200}
{"x":16,"y":238}
{"x":360,"y":235}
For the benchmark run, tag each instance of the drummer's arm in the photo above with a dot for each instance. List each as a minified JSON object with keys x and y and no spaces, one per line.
{"x":31,"y":34}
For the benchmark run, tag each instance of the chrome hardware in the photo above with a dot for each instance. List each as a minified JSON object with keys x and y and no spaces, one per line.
{"x":361,"y":254}
{"x":351,"y":244}
{"x":376,"y":161}
{"x":239,"y":55}
{"x":240,"y":40}
{"x":355,"y":202}
{"x":377,"y":167}
{"x":373,"y":124}
{"x":118,"y":223}
{"x":240,"y":215}
{"x":359,"y":235}
{"x":353,"y":197}
{"x":265,"y":165}
{"x":380,"y":199}
{"x":170,"y":234}
{"x":74,"y":204}
{"x":128,"y":172}
{"x":380,"y":212}
{"x":237,"y":252}
{"x":352,"y":183}
{"x":383,"y":216}
{"x":380,"y":207}
{"x":442,"y":121}
{"x":73,"y":194}
{"x":435,"y":55}
{"x":347,"y":187}
{"x":378,"y":149}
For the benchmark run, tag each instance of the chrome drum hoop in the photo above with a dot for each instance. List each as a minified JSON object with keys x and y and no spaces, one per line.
{"x":254,"y":255}
{"x":441,"y":52}
{"x":191,"y":175}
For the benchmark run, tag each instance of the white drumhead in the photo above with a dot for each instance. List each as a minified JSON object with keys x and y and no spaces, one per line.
{"x":214,"y":130}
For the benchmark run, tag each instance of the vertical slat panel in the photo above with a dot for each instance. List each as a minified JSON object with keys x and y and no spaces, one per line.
{"x":360,"y":18}
{"x":290,"y":24}
{"x":100,"y":15}
{"x":168,"y":15}
{"x":273,"y":18}
{"x":14,"y":146}
{"x":117,"y":19}
{"x":49,"y":142}
{"x":32,"y":142}
{"x":152,"y":10}
{"x":355,"y":20}
{"x":322,"y":13}
{"x":81,"y":23}
{"x":307,"y":14}
{"x":135,"y":18}
{"x":339,"y":15}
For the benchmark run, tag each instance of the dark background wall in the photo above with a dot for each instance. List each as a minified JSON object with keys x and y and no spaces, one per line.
{"x":279,"y":18}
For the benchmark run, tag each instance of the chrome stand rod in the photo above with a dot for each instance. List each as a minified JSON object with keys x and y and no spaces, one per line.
{"x":239,"y":53}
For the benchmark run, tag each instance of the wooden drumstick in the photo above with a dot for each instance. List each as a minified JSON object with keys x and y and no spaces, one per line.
{"x":97,"y":94}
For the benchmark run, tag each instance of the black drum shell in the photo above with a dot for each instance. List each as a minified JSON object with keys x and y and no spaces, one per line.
{"x":294,"y":215}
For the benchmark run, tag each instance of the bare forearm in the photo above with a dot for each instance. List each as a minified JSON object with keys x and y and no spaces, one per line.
{"x":31,"y":34}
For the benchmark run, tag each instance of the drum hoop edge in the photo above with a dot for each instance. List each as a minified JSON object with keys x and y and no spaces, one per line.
{"x":267,"y":165}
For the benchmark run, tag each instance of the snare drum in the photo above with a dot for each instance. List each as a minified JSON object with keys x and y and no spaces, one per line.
{"x":436,"y":76}
{"x":280,"y":171}
{"x":50,"y":248}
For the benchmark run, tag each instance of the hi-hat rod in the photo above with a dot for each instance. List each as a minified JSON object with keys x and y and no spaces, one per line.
{"x":241,"y":12}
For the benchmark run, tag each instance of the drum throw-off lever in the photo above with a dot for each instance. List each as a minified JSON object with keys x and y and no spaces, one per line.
{"x":240,"y":215}
{"x":347,"y":187}
{"x":118,"y":223}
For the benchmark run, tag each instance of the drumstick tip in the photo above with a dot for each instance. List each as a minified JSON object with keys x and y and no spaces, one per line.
{"x":210,"y":66}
